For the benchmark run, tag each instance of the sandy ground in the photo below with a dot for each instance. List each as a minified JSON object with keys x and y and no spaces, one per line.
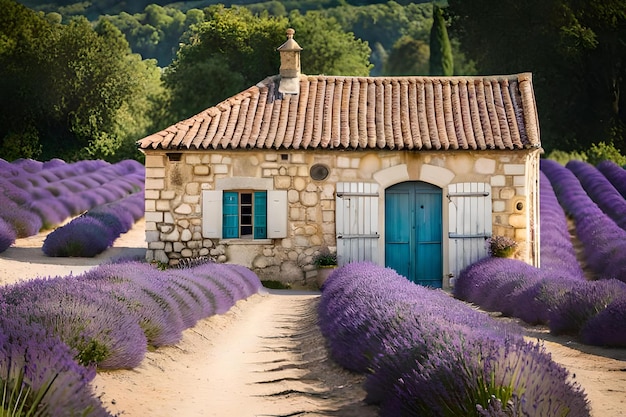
{"x":266,"y":357}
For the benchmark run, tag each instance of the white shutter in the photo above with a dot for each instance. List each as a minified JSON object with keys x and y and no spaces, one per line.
{"x":356,"y":222}
{"x":470,"y":223}
{"x":212,"y":214}
{"x":277,"y":214}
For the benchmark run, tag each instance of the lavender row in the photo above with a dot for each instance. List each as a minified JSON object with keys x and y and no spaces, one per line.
{"x":36,"y":195}
{"x":106,"y":318}
{"x":615,"y":174}
{"x":558,"y":255}
{"x":38,"y":372}
{"x":428,"y":354}
{"x":600,"y":190}
{"x":602,"y":239}
{"x":96,"y":230}
{"x":568,"y":306}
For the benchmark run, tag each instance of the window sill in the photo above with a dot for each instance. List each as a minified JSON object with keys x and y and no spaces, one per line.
{"x":234,"y":242}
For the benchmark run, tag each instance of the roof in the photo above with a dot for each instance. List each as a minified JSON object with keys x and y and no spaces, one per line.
{"x":394,"y":113}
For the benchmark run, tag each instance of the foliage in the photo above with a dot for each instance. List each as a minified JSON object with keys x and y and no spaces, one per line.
{"x":155,"y":32}
{"x":563,"y":157}
{"x":602,"y":151}
{"x":426,"y":353}
{"x":70,"y":90}
{"x":574,"y":49}
{"x":441,"y":61}
{"x":325,"y":257}
{"x":501,"y":246}
{"x":408,"y":57}
{"x":233,"y":49}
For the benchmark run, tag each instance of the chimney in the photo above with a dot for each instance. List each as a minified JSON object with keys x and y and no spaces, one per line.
{"x":289,"y":65}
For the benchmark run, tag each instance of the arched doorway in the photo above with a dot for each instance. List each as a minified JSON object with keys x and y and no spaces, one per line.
{"x":413,"y":232}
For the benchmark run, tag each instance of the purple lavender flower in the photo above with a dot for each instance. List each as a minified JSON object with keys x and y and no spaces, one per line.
{"x":33,"y":363}
{"x":7,"y":235}
{"x":615,"y":174}
{"x":88,"y":321}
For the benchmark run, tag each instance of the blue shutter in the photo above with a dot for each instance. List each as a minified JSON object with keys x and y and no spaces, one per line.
{"x":231,"y":215}
{"x":260,"y":215}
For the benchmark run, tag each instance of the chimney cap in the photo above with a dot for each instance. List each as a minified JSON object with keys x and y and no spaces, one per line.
{"x":290,"y":44}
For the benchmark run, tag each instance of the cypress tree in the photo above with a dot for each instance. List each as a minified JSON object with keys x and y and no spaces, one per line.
{"x":441,"y":61}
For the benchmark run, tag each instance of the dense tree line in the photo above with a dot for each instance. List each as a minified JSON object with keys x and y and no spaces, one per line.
{"x":70,"y":90}
{"x":576,"y":51}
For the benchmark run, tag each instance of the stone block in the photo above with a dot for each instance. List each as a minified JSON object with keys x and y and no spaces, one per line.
{"x":201,"y":170}
{"x":499,"y":206}
{"x":150,"y":205}
{"x":498,"y":181}
{"x":220,"y":169}
{"x":156,"y":245}
{"x":155,"y":161}
{"x":154,"y":184}
{"x":155,"y":172}
{"x":152,"y":236}
{"x":507,"y":193}
{"x":514,"y":169}
{"x":154,"y":216}
{"x":518,"y":221}
{"x":485,"y":166}
{"x":185,"y":235}
{"x":193,"y":159}
{"x":163,"y":205}
{"x":152,"y":194}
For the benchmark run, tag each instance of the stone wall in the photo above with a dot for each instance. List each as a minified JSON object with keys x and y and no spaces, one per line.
{"x":174,"y":184}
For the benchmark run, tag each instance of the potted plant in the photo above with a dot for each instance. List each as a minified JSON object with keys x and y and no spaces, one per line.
{"x":326,"y":262}
{"x":501,"y":246}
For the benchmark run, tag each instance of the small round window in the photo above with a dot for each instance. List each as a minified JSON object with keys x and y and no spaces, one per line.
{"x":319,"y":172}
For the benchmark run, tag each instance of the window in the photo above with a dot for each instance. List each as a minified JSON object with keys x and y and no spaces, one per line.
{"x":244,"y":214}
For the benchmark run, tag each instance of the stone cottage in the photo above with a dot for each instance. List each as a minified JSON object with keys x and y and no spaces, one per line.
{"x":413,"y":173}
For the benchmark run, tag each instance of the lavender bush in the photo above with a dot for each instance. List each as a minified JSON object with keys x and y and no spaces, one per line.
{"x":557,"y":251}
{"x":7,"y":235}
{"x":428,"y":354}
{"x":38,"y":374}
{"x":601,"y":191}
{"x":602,"y":239}
{"x":615,"y":174}
{"x":582,"y":302}
{"x":86,"y":320}
{"x":608,"y":327}
{"x":96,"y":230}
{"x":43,"y":195}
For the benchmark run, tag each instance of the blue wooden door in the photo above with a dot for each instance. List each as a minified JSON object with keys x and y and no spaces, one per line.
{"x":413,"y":232}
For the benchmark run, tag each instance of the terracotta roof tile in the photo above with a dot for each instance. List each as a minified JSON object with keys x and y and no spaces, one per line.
{"x":402,"y":113}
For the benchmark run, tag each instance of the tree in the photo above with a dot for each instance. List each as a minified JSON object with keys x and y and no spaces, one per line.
{"x":441,"y":62}
{"x":234,"y":49}
{"x":327,"y":48}
{"x":69,"y":91}
{"x":576,"y":51}
{"x":408,"y":57}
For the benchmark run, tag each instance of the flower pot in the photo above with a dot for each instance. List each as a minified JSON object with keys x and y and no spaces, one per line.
{"x":323,"y":272}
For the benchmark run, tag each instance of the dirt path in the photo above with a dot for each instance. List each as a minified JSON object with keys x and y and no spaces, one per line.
{"x":265,"y":357}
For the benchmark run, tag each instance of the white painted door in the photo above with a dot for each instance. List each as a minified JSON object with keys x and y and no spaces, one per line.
{"x":356,"y":221}
{"x":470,"y":223}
